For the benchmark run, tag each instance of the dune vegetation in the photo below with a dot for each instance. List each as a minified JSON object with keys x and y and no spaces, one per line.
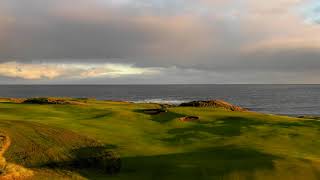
{"x":91,"y":139}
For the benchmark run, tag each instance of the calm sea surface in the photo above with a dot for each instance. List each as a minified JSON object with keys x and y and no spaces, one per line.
{"x":277,"y":99}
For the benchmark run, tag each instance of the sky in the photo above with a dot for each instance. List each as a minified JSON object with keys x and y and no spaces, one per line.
{"x":159,"y":41}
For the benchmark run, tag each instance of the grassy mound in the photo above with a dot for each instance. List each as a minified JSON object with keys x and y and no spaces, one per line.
{"x":10,"y":171}
{"x":214,"y":104}
{"x":12,"y":100}
{"x":50,"y":100}
{"x":74,"y":142}
{"x":32,"y":143}
{"x":39,"y":146}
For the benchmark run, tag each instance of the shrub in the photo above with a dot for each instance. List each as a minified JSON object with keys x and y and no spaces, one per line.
{"x":44,"y":100}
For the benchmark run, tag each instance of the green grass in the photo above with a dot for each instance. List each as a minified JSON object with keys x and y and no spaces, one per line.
{"x":221,"y":145}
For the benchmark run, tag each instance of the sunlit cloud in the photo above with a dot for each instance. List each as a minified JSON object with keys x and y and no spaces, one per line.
{"x":283,"y":44}
{"x":75,"y":70}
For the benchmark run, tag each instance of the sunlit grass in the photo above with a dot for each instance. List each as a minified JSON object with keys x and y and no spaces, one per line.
{"x":221,"y":145}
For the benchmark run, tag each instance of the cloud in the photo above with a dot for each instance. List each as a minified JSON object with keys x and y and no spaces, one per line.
{"x":29,"y":71}
{"x":225,"y":36}
{"x":71,"y":71}
{"x":278,"y":44}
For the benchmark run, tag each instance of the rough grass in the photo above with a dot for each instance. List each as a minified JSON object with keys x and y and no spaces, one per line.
{"x":220,"y":145}
{"x":10,"y":171}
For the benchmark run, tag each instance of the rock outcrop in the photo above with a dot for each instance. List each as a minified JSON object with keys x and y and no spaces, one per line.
{"x":214,"y":104}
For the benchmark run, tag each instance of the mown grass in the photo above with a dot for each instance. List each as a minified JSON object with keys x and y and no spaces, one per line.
{"x":221,"y":145}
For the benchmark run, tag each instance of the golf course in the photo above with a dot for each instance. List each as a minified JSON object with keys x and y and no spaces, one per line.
{"x":142,"y":141}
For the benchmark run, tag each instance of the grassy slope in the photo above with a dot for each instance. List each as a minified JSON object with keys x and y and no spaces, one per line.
{"x":223,"y":145}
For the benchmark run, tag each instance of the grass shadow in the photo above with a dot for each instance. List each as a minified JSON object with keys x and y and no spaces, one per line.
{"x":224,"y":127}
{"x":291,"y":124}
{"x":96,"y":159}
{"x":162,"y":117}
{"x":211,"y":163}
{"x":102,"y":115}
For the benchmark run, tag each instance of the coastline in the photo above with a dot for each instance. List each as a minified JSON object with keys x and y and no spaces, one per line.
{"x":159,"y":102}
{"x":274,"y":99}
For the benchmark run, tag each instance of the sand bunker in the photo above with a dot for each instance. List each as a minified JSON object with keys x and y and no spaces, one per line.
{"x":189,"y":118}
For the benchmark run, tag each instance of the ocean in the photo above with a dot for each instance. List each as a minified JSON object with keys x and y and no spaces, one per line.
{"x":276,"y":99}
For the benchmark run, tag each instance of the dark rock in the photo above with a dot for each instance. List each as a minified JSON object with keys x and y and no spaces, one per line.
{"x":154,"y":111}
{"x":310,"y":117}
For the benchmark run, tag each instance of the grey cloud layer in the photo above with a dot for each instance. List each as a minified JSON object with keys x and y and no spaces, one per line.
{"x":225,"y":37}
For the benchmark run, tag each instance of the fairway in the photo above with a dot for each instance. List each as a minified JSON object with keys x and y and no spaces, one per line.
{"x":221,"y":144}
